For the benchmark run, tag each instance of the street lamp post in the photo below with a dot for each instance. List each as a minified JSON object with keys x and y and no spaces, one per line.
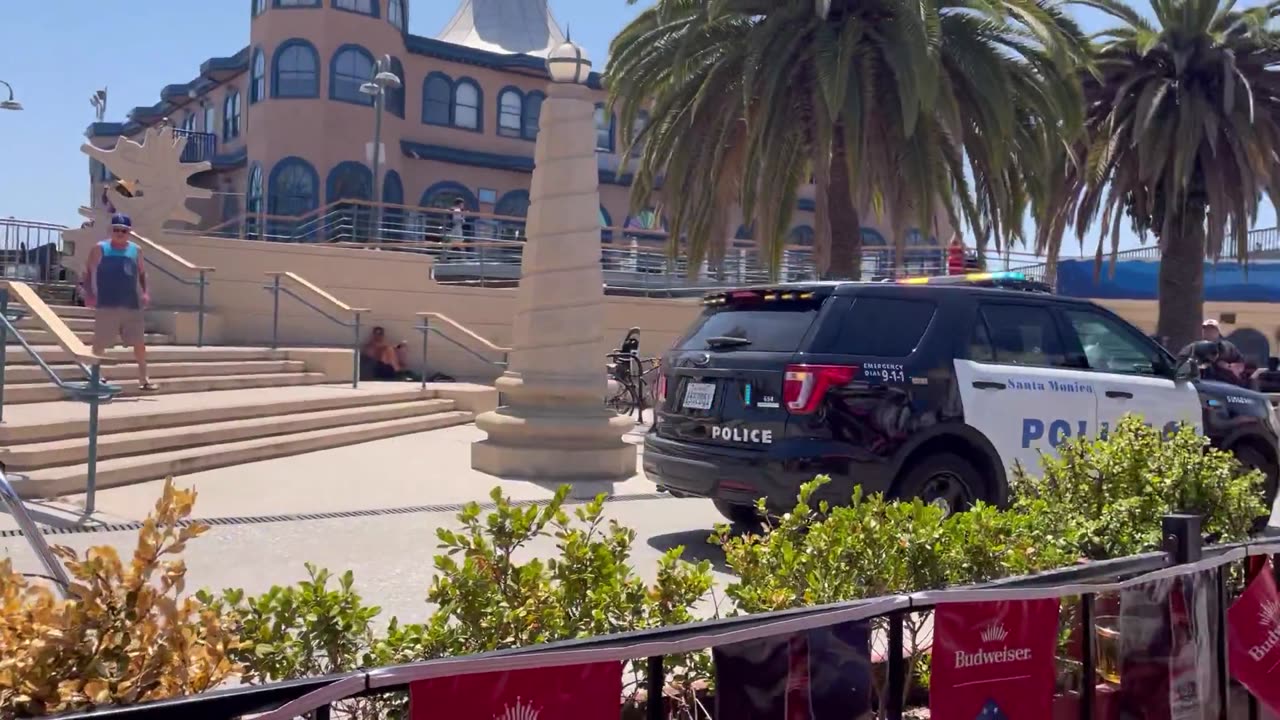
{"x":9,"y":104}
{"x":383,"y":79}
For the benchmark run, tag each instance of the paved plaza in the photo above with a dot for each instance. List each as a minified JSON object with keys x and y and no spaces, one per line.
{"x":271,"y":517}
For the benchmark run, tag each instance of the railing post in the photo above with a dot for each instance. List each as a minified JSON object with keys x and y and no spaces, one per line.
{"x":656,"y":690}
{"x":896,"y":687}
{"x":425,"y":329}
{"x":4,"y":345}
{"x":91,"y":473}
{"x":1224,"y":677}
{"x":1182,"y":537}
{"x":200,"y":315}
{"x":1088,"y":660}
{"x":355,"y":351}
{"x":275,"y":313}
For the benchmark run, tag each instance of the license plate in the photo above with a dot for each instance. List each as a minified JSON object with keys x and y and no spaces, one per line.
{"x":698,"y":396}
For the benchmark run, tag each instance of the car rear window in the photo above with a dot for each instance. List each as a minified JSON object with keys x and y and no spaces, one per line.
{"x":884,"y":327}
{"x":768,"y":328}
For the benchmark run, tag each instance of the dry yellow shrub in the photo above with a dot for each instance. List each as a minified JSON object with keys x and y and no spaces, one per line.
{"x":125,"y":634}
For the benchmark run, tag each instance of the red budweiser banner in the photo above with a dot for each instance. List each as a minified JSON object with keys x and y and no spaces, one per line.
{"x":994,"y":660}
{"x":572,"y":692}
{"x":1253,"y":638}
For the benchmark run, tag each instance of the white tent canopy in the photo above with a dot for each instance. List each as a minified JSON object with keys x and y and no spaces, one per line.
{"x":504,"y":26}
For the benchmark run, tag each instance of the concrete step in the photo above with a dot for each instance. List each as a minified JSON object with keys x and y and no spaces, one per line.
{"x":44,"y":337}
{"x":73,"y":451}
{"x":52,"y":482}
{"x":45,"y":391}
{"x":156,"y":354}
{"x":38,"y":422}
{"x":31,"y":373}
{"x":79,"y":324}
{"x":65,"y":311}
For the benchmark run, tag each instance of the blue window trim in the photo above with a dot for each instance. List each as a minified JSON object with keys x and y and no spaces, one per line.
{"x":387,"y":185}
{"x":873,"y":234}
{"x":613,"y":131}
{"x":254,"y":58}
{"x":605,"y":234}
{"x":507,"y":196}
{"x":282,"y":165}
{"x":457,"y":187}
{"x":227,"y":116}
{"x":333,"y":73}
{"x":250,"y":206}
{"x":331,"y":181}
{"x":308,"y":6}
{"x":275,"y":67}
{"x":453,"y":105}
{"x":404,"y":15}
{"x":449,"y":101}
{"x":257,"y":7}
{"x":373,"y":4}
{"x":526,"y":131}
{"x":806,"y":230}
{"x":397,"y":68}
{"x":504,"y":132}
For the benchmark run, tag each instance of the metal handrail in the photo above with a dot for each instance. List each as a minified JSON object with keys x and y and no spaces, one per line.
{"x":200,"y":282}
{"x":10,"y":500}
{"x":94,"y":391}
{"x":426,"y":328}
{"x":276,"y":287}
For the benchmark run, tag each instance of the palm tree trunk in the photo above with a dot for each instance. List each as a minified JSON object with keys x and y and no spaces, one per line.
{"x":846,"y":223}
{"x":1181,"y":279}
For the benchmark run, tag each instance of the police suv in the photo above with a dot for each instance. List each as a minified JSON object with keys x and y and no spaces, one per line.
{"x":926,"y":387}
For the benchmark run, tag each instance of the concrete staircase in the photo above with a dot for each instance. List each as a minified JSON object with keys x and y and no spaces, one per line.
{"x":217,"y":406}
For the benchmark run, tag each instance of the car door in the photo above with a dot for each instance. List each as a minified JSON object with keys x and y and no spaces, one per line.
{"x":1132,"y":374}
{"x":1016,"y":387}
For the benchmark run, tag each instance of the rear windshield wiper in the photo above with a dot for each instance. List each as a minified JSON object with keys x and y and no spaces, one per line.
{"x":725,"y":341}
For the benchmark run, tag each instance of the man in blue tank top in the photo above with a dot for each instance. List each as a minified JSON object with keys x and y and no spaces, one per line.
{"x":116,"y":287}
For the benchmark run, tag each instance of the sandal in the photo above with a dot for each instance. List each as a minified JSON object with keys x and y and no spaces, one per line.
{"x":148,"y":387}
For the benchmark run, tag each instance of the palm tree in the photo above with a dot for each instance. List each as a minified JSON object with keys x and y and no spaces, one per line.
{"x":1182,"y":131}
{"x":903,"y":107}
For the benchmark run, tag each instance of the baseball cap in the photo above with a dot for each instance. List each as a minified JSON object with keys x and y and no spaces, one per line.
{"x":121,"y":221}
{"x":1210,"y":323}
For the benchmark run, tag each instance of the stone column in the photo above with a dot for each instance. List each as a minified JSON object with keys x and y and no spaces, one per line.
{"x":555,"y":425}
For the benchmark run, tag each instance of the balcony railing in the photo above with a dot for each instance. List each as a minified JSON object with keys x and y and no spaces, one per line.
{"x":201,"y":146}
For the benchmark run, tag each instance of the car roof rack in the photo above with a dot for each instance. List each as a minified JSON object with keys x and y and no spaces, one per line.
{"x":1002,"y":279}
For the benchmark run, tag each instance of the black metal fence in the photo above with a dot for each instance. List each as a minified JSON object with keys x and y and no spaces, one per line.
{"x":1078,"y":587}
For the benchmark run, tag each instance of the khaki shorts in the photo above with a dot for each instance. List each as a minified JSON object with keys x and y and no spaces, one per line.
{"x":124,"y":324}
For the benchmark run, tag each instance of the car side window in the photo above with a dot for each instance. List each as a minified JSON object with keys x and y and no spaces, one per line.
{"x":1021,"y":335}
{"x":1110,"y":346}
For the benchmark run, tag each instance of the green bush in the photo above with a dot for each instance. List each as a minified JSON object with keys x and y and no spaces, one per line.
{"x":1106,"y":496}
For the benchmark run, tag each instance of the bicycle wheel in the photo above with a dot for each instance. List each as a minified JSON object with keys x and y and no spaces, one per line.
{"x":623,"y":401}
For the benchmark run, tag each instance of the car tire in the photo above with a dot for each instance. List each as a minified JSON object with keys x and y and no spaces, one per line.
{"x":1254,"y":459}
{"x":742,"y":517}
{"x":943,"y":478}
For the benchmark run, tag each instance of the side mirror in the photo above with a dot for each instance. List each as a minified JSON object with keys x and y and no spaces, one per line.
{"x":1188,"y":369}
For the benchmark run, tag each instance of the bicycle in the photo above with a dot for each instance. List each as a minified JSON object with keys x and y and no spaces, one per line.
{"x":636,"y":389}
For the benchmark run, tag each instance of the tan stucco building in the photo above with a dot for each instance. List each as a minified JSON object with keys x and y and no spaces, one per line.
{"x":288,"y":132}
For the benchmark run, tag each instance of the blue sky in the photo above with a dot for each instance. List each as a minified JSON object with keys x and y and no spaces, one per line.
{"x":55,"y":53}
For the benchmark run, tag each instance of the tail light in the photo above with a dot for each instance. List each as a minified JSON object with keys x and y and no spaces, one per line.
{"x":804,"y":386}
{"x":662,"y":389}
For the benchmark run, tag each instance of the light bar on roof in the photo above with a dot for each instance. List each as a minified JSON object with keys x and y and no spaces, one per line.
{"x":1005,"y":275}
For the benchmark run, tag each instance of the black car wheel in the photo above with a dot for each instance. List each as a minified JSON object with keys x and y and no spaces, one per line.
{"x":743,"y":517}
{"x":945,"y":479}
{"x":1254,"y":459}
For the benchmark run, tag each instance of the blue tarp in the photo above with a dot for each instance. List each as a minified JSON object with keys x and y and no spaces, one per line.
{"x":1137,"y":280}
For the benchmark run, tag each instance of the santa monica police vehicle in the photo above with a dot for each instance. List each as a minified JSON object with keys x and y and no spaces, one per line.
{"x":927,"y":387}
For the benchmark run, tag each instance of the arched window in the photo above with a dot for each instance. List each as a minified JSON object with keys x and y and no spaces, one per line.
{"x":395,"y":96}
{"x":439,"y":198}
{"x":393,"y":225}
{"x":295,"y":70}
{"x":350,"y":180}
{"x":604,"y":129}
{"x":396,"y":14}
{"x":801,"y":236}
{"x":606,"y":222}
{"x":532,"y":114}
{"x":210,"y":117}
{"x":510,"y":112}
{"x":872,"y":238}
{"x":513,"y":204}
{"x":364,"y":7}
{"x":189,"y":122}
{"x":253,"y":200}
{"x":257,"y":7}
{"x":351,"y":67}
{"x":437,"y":99}
{"x":231,"y":116}
{"x":467,"y":105}
{"x":637,"y":128}
{"x":258,"y":77}
{"x":294,"y":192}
